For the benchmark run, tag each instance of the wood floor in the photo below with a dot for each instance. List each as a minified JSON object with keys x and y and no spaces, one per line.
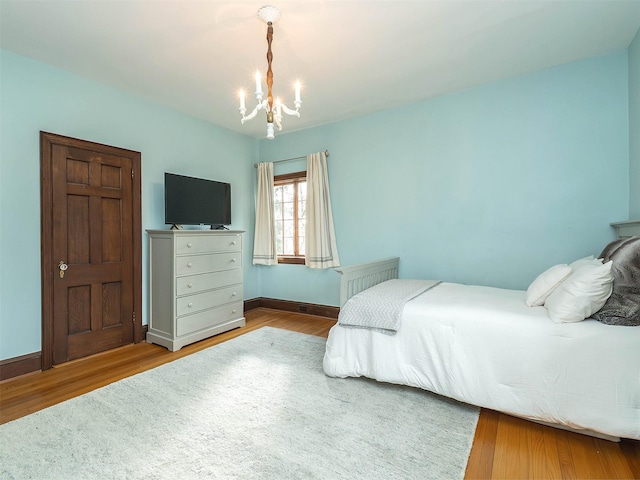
{"x":504,"y":447}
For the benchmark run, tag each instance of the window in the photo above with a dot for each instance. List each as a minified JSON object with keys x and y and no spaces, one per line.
{"x":290,"y":195}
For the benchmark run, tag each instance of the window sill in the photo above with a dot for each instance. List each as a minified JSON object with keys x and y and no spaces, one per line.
{"x":291,"y":260}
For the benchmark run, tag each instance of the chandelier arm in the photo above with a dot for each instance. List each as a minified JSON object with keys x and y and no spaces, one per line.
{"x":277,"y":118}
{"x":254,"y":112}
{"x":288,"y":111}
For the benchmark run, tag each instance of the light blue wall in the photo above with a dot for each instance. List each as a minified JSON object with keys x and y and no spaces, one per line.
{"x":634,"y":128}
{"x":489,"y":185}
{"x":36,"y":97}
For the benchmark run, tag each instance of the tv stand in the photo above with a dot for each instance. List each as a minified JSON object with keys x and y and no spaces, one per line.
{"x":176,"y":227}
{"x":218,"y":227}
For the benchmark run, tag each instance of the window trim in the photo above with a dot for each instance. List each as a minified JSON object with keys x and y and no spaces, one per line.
{"x":294,"y":178}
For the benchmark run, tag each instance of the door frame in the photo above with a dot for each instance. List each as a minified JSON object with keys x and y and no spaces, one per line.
{"x":48,"y":269}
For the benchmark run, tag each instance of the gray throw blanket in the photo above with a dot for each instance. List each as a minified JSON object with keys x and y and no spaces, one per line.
{"x":380,"y":307}
{"x":623,"y":306}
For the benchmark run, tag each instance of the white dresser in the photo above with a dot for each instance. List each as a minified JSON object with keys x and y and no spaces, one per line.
{"x":195,"y":281}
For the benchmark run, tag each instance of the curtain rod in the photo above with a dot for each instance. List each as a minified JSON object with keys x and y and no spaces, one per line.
{"x":326,"y":152}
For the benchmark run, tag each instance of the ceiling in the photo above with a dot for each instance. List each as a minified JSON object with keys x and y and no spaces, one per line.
{"x":352,"y":57}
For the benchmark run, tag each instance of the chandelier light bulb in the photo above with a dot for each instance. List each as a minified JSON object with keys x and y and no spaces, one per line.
{"x":258,"y":84}
{"x":242,"y":105}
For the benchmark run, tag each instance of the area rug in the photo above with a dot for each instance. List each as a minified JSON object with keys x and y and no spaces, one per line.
{"x":255,"y":407}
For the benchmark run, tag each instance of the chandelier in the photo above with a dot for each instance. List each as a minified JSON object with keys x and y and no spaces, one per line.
{"x":274,"y":109}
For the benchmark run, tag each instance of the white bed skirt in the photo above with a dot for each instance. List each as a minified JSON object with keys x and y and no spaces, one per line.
{"x":452,"y":341}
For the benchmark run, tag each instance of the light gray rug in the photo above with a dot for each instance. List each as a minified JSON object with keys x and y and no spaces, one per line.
{"x":256,"y":407}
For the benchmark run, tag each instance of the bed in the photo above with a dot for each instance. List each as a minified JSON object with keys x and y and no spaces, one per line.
{"x":485,"y":346}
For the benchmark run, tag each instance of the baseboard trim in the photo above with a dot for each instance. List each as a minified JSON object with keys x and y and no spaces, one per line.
{"x":29,"y":363}
{"x":14,"y":367}
{"x":251,"y":304}
{"x":292,"y":306}
{"x":32,"y":362}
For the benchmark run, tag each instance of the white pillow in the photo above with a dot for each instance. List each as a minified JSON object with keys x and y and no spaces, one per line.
{"x":582,"y":294}
{"x":545,"y":283}
{"x":581,"y":262}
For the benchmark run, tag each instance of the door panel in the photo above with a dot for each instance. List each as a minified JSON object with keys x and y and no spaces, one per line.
{"x":93,"y":228}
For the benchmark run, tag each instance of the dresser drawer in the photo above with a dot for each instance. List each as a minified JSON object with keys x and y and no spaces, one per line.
{"x":207,"y":281}
{"x":203,"y":301}
{"x":214,"y":262}
{"x":208,"y":318}
{"x":188,"y":244}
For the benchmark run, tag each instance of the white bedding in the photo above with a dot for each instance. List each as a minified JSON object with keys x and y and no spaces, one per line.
{"x":484,"y":346}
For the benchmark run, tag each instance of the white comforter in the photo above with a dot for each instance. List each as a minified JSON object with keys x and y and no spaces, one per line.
{"x":484,"y":346}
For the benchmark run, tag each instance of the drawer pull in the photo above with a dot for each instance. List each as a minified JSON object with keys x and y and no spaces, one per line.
{"x":189,"y":265}
{"x":190,"y":305}
{"x":189,"y":245}
{"x":233,"y":260}
{"x":233,"y":294}
{"x":233,"y":243}
{"x":233,"y":311}
{"x":190,"y":285}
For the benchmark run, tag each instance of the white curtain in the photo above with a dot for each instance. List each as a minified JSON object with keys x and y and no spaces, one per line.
{"x":264,"y":243}
{"x":321,"y":250}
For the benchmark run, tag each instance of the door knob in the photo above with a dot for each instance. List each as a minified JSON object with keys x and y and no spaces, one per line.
{"x":63,"y":267}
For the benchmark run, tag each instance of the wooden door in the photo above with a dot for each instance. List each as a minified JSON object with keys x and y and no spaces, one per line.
{"x":91,"y":248}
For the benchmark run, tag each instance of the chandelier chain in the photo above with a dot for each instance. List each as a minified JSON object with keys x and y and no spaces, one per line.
{"x":269,"y":71}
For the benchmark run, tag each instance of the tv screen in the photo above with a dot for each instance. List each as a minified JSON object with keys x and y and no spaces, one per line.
{"x":196,"y":201}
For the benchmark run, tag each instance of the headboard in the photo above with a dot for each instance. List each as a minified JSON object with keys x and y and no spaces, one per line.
{"x":356,"y":278}
{"x":627,"y":229}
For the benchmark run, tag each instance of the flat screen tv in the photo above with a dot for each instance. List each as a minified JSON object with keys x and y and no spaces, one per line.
{"x":196,"y":201}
